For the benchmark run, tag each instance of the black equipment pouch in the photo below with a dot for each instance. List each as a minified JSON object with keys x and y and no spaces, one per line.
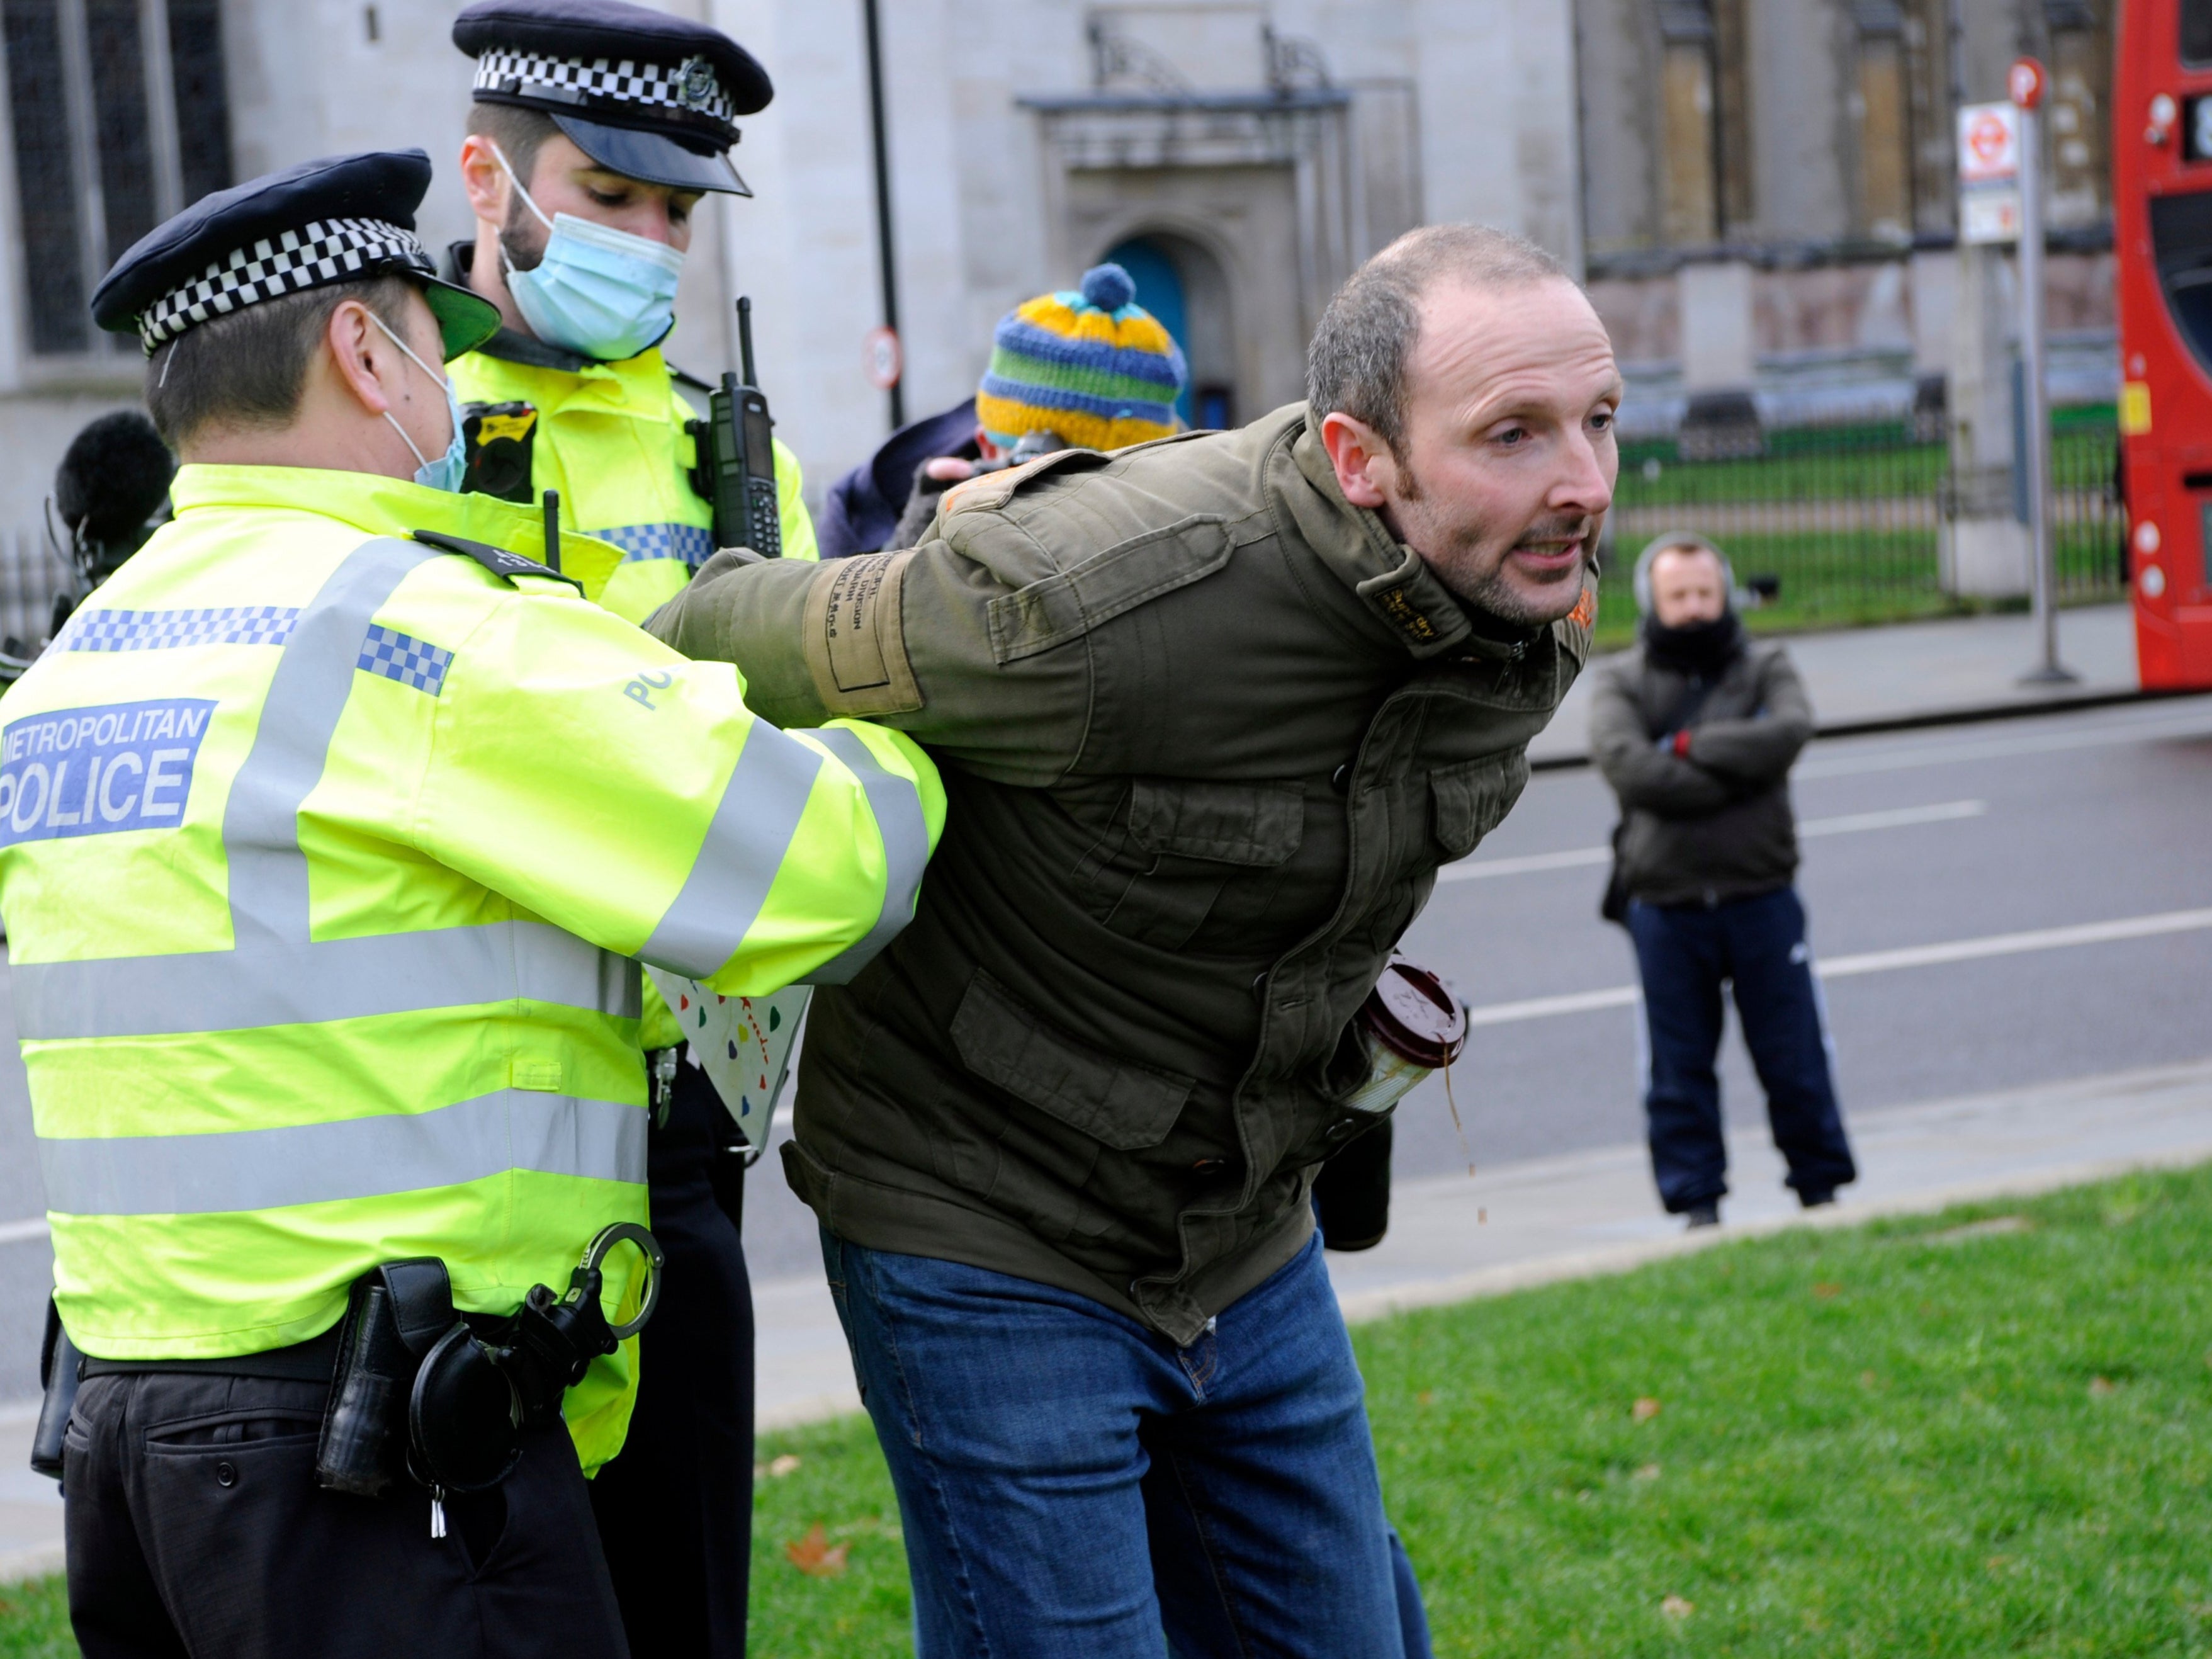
{"x":424,"y":1391}
{"x":500,"y":442}
{"x":58,"y":1362}
{"x":395,"y":1317}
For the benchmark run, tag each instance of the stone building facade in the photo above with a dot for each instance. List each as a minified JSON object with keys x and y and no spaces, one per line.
{"x":1245,"y":154}
{"x":1755,"y":188}
{"x":1769,"y":186}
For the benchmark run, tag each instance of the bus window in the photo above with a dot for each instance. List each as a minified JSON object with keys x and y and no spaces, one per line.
{"x":2196,"y":32}
{"x":2181,"y":244}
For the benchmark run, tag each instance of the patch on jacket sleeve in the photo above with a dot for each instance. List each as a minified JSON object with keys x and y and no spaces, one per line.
{"x":855,"y":641}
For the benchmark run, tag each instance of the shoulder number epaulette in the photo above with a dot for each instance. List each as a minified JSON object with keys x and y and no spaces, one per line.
{"x":497,"y":560}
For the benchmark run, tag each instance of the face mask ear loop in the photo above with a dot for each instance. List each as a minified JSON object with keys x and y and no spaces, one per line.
{"x":420,"y":459}
{"x":500,"y":155}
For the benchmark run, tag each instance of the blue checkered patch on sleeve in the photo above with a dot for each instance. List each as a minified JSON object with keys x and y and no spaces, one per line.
{"x":394,"y":655}
{"x":169,"y":630}
{"x":693,"y":543}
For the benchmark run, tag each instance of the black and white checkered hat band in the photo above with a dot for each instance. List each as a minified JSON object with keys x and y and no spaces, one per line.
{"x":688,"y":87}
{"x":327,"y":250}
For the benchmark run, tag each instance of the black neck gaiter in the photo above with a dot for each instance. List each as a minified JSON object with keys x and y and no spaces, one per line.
{"x":1702,"y":649}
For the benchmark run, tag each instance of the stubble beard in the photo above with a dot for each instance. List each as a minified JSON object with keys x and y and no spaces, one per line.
{"x":1460,"y":557}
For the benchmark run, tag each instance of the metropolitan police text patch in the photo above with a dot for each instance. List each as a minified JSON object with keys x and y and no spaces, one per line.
{"x":93,"y":771}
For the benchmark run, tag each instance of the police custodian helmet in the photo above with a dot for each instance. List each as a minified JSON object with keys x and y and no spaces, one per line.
{"x":342,"y":219}
{"x":645,"y":94}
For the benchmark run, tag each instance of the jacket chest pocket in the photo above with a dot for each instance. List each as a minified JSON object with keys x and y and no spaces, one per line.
{"x":1119,"y":1103}
{"x":1470,"y":800}
{"x":1187,"y":840}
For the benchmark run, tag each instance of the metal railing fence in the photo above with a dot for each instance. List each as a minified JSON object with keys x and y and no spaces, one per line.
{"x":1843,"y":521}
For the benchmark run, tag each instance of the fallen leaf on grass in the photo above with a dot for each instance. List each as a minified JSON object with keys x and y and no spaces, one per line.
{"x":1997,"y":1563}
{"x":1676,"y":1607}
{"x":816,"y":1556}
{"x":1868,"y":1379}
{"x":1645,"y":1409}
{"x":1823,"y":1290}
{"x":1967,"y":1231}
{"x":2103,"y":1385}
{"x":1649,"y":1472}
{"x":780,"y":1466}
{"x":1427,"y":1397}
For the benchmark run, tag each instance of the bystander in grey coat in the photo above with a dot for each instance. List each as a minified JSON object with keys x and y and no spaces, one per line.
{"x":1696,"y":731}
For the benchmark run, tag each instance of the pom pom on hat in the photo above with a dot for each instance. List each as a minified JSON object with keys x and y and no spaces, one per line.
{"x":1090,"y":365}
{"x":1108,"y":286}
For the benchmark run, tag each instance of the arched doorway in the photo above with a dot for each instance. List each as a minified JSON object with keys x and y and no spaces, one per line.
{"x":1183,"y":285}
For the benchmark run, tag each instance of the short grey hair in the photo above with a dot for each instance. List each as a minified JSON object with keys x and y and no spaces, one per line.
{"x":1357,"y":362}
{"x":1676,"y":541}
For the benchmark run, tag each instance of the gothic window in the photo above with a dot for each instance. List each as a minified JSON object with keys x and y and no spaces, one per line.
{"x":119,"y":118}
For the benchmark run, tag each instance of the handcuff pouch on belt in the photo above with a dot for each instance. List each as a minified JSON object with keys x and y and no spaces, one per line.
{"x":421,"y":1391}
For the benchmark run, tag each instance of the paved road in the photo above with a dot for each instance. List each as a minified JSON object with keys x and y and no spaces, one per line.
{"x":1954,"y":877}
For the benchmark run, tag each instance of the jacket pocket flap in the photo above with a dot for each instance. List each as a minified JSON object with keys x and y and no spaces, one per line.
{"x":1123,"y":1105}
{"x":1255,"y":824}
{"x":1472,"y":798}
{"x":1065,"y":607}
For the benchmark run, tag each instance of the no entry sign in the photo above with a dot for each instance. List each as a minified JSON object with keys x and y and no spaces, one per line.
{"x":1988,"y":144}
{"x":1989,"y":172}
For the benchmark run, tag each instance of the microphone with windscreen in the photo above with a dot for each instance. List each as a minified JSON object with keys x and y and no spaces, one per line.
{"x":112,"y":484}
{"x":112,"y":491}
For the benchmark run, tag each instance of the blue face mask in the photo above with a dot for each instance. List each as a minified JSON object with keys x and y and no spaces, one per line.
{"x":445,"y":473}
{"x":598,"y":291}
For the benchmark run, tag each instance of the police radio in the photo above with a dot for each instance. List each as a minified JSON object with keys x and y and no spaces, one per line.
{"x":735,"y":471}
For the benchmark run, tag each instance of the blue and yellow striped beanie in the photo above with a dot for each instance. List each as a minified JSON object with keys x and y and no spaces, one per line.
{"x":1091,"y":366}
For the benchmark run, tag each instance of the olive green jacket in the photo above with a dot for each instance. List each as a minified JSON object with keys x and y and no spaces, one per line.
{"x":1207,"y":730}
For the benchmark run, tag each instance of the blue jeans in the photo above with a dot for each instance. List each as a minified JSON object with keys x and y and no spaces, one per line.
{"x":1071,"y":1483}
{"x":1685,"y":953}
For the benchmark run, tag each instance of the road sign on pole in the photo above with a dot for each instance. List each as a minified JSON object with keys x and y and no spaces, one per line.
{"x":1989,"y":174}
{"x":2026,"y":82}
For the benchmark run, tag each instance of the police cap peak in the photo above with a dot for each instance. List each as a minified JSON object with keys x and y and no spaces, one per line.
{"x":340,"y":219}
{"x":643,"y":94}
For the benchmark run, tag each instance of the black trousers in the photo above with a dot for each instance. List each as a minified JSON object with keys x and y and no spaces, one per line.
{"x":676,"y":1508}
{"x":1685,"y":954}
{"x":195,"y":1528}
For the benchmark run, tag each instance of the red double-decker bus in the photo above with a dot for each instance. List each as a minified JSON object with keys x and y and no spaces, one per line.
{"x":2162,"y":230}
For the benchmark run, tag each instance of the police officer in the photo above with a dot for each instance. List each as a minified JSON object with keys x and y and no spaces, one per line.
{"x":333,"y":836}
{"x":597,"y":127}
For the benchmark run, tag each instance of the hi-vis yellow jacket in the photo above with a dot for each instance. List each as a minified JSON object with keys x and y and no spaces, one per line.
{"x":610,"y":437}
{"x":327,"y":859}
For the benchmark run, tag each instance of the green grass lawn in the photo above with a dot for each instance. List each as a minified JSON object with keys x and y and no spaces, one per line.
{"x":1984,"y":1432}
{"x":1903,"y":1438}
{"x":34,"y":1621}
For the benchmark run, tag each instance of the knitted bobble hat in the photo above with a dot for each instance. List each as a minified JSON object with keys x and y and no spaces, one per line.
{"x":1092,"y":365}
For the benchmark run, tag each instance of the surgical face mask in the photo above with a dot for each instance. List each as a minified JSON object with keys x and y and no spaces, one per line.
{"x":598,"y":291}
{"x":444,"y":473}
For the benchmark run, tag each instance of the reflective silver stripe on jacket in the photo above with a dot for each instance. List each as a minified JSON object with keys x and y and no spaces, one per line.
{"x":261,"y":983}
{"x":277,"y":974}
{"x":752,"y":829}
{"x":897,"y":805}
{"x":352,"y":1157}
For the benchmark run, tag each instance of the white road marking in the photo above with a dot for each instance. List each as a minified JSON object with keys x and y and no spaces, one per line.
{"x":13,"y":1232}
{"x":1882,"y":962}
{"x":2187,"y":723}
{"x":1850,"y":824}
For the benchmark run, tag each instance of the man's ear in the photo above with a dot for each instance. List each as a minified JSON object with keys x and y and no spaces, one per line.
{"x":1365,"y":468}
{"x":355,"y":347}
{"x":484,"y":180}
